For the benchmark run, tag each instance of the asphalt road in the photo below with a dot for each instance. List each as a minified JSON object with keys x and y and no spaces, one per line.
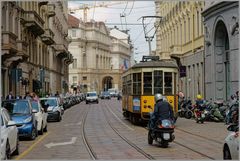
{"x":110,"y":136}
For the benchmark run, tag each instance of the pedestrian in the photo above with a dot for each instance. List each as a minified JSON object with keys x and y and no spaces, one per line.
{"x":27,"y":96}
{"x":10,"y":96}
{"x":34,"y":96}
{"x":57,"y":94}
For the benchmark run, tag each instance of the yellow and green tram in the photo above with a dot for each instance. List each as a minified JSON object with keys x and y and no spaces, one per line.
{"x":142,"y":81}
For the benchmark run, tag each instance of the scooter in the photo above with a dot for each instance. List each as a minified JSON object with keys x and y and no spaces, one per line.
{"x":162,"y":133}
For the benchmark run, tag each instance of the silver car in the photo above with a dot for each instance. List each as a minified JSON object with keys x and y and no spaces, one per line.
{"x":54,"y":109}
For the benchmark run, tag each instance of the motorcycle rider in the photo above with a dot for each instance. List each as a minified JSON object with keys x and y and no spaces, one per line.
{"x":162,"y":110}
{"x":199,"y":101}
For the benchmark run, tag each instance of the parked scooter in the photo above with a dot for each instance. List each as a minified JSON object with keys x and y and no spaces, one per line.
{"x":162,"y":133}
{"x":199,"y":113}
{"x":185,"y":109}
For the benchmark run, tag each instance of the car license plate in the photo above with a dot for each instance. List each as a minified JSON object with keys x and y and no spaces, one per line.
{"x":166,"y":136}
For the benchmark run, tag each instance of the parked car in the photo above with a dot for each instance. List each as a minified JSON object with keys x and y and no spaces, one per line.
{"x":91,"y":97}
{"x":22,"y":113}
{"x":40,"y":115}
{"x":231,"y":143}
{"x":9,"y":136}
{"x":54,"y":109}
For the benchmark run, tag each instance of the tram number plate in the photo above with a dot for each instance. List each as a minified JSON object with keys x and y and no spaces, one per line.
{"x":166,"y":136}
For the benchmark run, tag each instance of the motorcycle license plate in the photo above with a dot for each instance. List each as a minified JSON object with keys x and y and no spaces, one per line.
{"x":166,"y":136}
{"x":203,"y":115}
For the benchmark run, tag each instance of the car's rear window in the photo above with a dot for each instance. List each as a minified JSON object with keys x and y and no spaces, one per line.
{"x":91,"y":94}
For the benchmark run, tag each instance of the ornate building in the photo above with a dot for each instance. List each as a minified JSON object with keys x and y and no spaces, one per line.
{"x":181,"y":36}
{"x":29,"y":52}
{"x":221,"y":21}
{"x":98,"y":56}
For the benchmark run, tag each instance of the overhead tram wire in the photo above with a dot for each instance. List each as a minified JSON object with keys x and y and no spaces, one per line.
{"x":94,"y":9}
{"x":142,"y":31}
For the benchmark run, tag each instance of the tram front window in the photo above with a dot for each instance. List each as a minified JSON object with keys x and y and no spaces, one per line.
{"x":168,"y":83}
{"x":147,"y":80}
{"x":158,"y":82}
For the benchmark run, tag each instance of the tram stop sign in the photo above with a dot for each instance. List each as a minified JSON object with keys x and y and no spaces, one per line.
{"x":182,"y":71}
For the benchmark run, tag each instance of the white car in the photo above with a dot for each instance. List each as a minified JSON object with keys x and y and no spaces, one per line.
{"x":9,"y":136}
{"x":231,"y":143}
{"x":40,"y":115}
{"x":91,"y":97}
{"x":54,"y":109}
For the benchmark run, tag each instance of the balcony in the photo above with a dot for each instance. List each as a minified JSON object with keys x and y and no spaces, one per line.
{"x":9,"y":44}
{"x":51,"y":10}
{"x":22,"y":49}
{"x":61,"y":51}
{"x":48,"y":37}
{"x":69,"y":59}
{"x":175,"y":50}
{"x":33,"y":22}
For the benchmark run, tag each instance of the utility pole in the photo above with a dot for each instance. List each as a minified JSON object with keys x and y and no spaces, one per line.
{"x":146,"y":32}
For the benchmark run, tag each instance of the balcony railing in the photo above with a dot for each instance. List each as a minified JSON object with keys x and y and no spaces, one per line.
{"x":48,"y":37}
{"x":33,"y":22}
{"x":9,"y":43}
{"x":51,"y":10}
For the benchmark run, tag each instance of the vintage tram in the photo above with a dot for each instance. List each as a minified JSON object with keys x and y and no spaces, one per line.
{"x":142,"y":81}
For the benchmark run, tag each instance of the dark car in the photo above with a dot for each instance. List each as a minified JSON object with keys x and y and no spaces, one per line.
{"x":106,"y":95}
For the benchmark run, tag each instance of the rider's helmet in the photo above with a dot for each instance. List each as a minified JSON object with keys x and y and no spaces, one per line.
{"x":158,"y":97}
{"x":199,"y":97}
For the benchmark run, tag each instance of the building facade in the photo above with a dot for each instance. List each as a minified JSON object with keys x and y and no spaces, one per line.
{"x":181,"y":36}
{"x":98,"y":56}
{"x":28,"y":47}
{"x":221,"y":21}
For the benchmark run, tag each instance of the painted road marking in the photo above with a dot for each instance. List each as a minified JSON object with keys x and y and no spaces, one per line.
{"x":73,"y":140}
{"x":31,"y":147}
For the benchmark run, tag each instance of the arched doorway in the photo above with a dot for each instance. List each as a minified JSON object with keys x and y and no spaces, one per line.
{"x":222,"y":62}
{"x":107,"y":83}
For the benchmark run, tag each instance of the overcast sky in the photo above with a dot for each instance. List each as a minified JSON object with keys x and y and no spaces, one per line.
{"x":131,"y":11}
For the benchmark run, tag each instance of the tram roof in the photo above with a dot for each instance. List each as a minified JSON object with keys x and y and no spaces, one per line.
{"x":159,"y":63}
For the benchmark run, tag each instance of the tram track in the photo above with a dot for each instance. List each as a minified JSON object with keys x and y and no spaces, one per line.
{"x":85,"y":141}
{"x":196,"y":135}
{"x":148,"y":156}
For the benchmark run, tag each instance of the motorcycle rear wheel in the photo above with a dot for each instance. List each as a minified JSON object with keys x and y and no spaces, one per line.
{"x":150,"y":139}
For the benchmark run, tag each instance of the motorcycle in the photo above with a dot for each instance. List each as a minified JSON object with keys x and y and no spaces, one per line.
{"x":186,"y":109}
{"x":162,"y":133}
{"x":199,"y":115}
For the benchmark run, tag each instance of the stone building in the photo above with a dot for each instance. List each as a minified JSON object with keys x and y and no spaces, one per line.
{"x":221,"y":21}
{"x":98,"y":56}
{"x":181,"y":36}
{"x":29,"y":55}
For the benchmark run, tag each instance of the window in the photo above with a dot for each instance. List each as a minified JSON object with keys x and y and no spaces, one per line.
{"x":129,"y":85}
{"x":168,"y":83}
{"x":158,"y":82}
{"x":147,"y":80}
{"x":74,"y":33}
{"x":137,"y":83}
{"x":74,"y":79}
{"x":74,"y":63}
{"x":84,"y":78}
